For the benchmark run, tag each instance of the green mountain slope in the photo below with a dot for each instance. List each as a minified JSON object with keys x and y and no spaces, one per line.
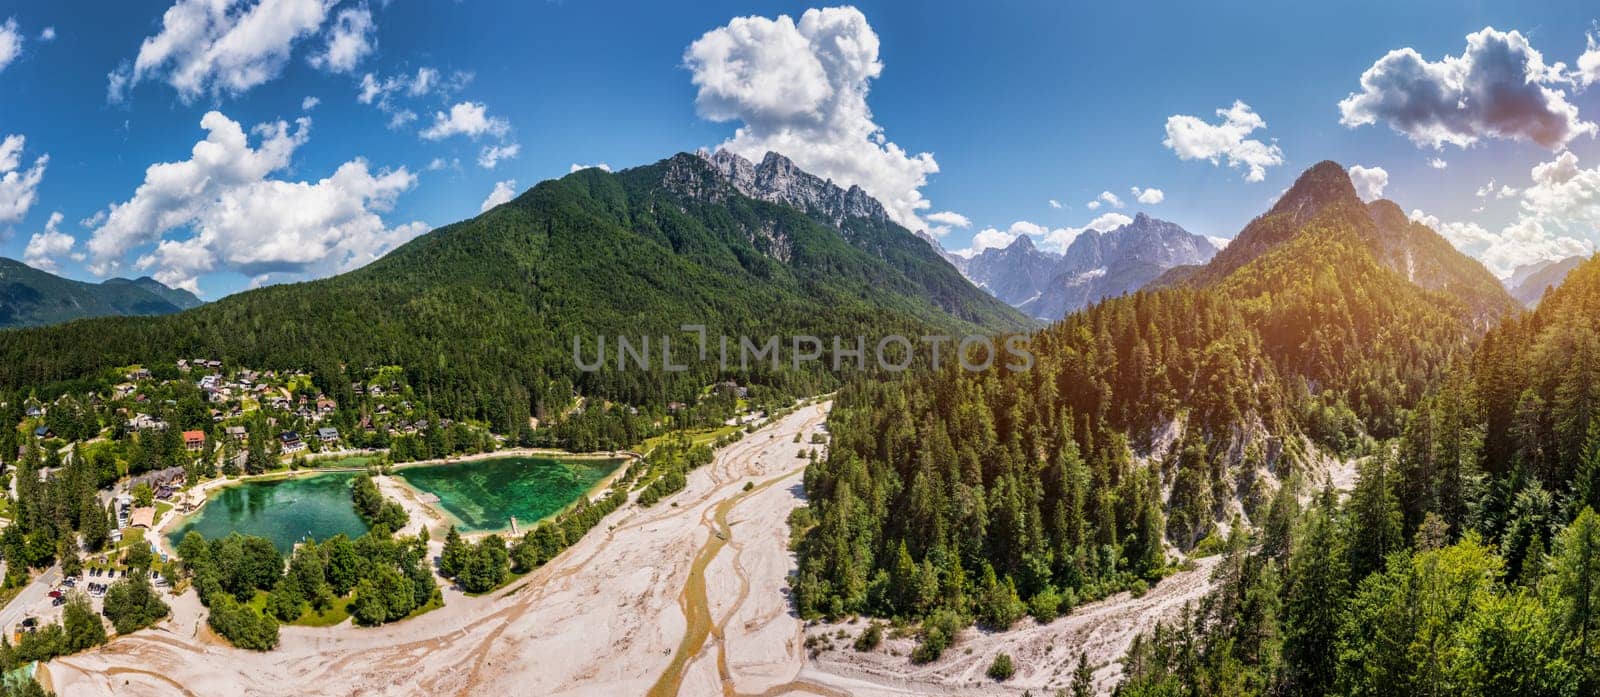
{"x":30,"y":297}
{"x":1426,"y":258}
{"x":1148,"y":419}
{"x":181,"y":298}
{"x":483,"y":313}
{"x":1487,"y":499}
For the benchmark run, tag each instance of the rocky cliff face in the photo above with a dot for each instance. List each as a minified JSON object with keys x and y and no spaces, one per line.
{"x":777,"y":179}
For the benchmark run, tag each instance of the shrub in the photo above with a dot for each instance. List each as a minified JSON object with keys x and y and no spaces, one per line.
{"x":939,"y":631}
{"x":1001,"y":668}
{"x":1045,"y":605}
{"x":870,"y":638}
{"x":132,"y":603}
{"x":242,"y":626}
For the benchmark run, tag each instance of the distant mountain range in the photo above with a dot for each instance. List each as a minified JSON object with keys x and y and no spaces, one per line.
{"x":1096,"y":265}
{"x":1528,"y":283}
{"x":30,"y":297}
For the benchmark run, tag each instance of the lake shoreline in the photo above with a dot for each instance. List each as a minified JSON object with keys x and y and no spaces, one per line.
{"x":210,"y":489}
{"x":590,"y":493}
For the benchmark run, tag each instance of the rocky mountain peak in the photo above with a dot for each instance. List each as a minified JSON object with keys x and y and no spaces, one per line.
{"x":1048,"y":285}
{"x":779,"y":180}
{"x":1324,"y":184}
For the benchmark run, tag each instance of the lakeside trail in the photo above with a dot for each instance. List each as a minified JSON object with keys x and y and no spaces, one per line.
{"x":687,"y":597}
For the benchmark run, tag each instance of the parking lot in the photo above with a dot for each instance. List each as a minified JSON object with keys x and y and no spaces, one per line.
{"x":28,"y":613}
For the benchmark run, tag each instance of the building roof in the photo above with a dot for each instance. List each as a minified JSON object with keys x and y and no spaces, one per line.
{"x":156,"y":478}
{"x":144,"y":517}
{"x":194,"y":435}
{"x":328,"y":432}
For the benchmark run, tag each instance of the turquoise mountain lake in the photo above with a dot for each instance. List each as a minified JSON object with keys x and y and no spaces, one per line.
{"x":283,"y":510}
{"x":484,"y":495}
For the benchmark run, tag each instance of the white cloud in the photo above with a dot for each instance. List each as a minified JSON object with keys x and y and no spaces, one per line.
{"x":44,"y":248}
{"x":47,"y":34}
{"x":400,"y":117}
{"x":214,"y":47}
{"x":1524,"y":241}
{"x":1504,"y":190}
{"x":241,"y":219}
{"x":491,"y":155}
{"x":1589,"y":63}
{"x":309,"y":103}
{"x":470,"y":119}
{"x":991,"y":238}
{"x":1055,"y":204}
{"x":426,"y":81}
{"x":1106,"y":198}
{"x":800,"y":89}
{"x":1558,"y":216}
{"x":1054,"y":240}
{"x":1060,"y":238}
{"x":1149,"y":197}
{"x":1499,"y":87}
{"x":598,"y":165}
{"x":1467,"y":236}
{"x":942,"y":222}
{"x":503,"y":192}
{"x":389,"y":92}
{"x":372,"y":89}
{"x":1564,"y":194}
{"x":1194,"y":139}
{"x":18,"y":187}
{"x":1438,"y":163}
{"x":439,"y":163}
{"x":10,"y":42}
{"x":1369,"y":181}
{"x":349,"y":40}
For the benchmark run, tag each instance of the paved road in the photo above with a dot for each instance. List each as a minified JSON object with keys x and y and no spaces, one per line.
{"x":30,"y":597}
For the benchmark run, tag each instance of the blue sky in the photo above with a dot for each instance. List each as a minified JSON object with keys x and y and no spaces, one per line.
{"x":1016,"y":105}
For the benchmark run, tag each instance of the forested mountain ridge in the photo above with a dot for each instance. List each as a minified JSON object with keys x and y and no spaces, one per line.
{"x":1467,"y":557}
{"x":482,"y":313}
{"x":1426,"y":258}
{"x":1416,"y":252}
{"x":1163,"y":417}
{"x":31,"y":297}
